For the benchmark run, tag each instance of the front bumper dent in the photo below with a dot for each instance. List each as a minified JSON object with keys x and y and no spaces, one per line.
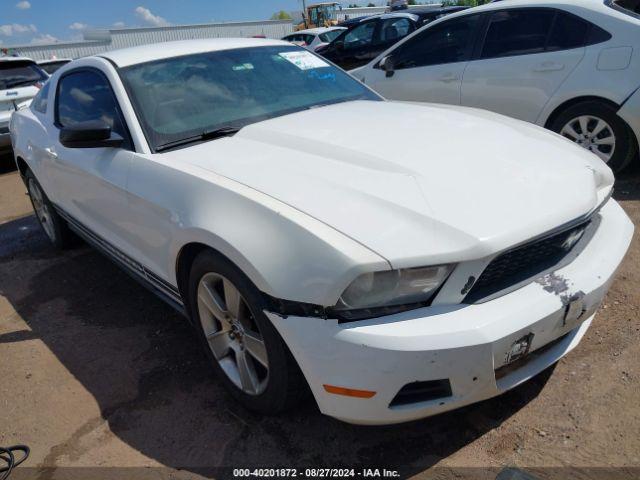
{"x":462,"y":343}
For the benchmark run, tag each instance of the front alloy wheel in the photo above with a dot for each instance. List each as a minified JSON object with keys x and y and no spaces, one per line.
{"x":233,"y":334}
{"x":246,"y":352}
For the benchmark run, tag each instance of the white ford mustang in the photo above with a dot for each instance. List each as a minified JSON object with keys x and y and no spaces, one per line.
{"x":400,"y":260}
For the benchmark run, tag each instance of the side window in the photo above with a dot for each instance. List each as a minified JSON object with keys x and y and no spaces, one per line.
{"x":308,"y":39}
{"x":448,"y":42}
{"x":568,"y":32}
{"x":40,"y":101}
{"x":394,"y":29}
{"x":517,"y":32}
{"x":84,"y":96}
{"x":360,"y":36}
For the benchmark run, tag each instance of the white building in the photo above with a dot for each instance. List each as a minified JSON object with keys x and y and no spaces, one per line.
{"x":98,"y":41}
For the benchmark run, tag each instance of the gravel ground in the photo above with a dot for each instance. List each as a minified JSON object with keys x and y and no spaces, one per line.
{"x":96,"y":372}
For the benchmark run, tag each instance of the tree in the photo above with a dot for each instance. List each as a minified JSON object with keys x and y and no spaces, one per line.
{"x":281,"y":15}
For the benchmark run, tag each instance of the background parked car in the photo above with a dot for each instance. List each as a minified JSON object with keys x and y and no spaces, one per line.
{"x":372,"y":35}
{"x":314,"y":38}
{"x":53,"y":64}
{"x":20,"y":80}
{"x":569,"y":65}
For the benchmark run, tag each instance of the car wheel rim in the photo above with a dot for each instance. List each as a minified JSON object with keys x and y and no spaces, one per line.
{"x":42,"y":209}
{"x":233,"y":334}
{"x":592,"y":133}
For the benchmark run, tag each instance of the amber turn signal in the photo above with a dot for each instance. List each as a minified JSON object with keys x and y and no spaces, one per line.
{"x":349,"y":392}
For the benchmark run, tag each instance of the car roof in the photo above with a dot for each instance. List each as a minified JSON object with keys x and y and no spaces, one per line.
{"x":598,"y":5}
{"x":383,"y":16}
{"x":317,"y":31}
{"x":410,"y":16}
{"x":426,"y":10}
{"x":53,"y":60}
{"x":159,"y":51}
{"x":16,"y":59}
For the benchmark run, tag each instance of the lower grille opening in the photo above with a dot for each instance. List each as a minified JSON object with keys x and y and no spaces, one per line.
{"x":417,"y":392}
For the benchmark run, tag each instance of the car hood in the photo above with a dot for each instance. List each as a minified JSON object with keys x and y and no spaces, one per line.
{"x":417,"y":184}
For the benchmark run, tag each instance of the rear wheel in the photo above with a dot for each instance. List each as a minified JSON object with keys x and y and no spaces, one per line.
{"x":596,"y":127}
{"x":246,"y":352}
{"x":52,"y":224}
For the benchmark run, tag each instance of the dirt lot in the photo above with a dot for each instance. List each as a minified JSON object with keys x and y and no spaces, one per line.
{"x":96,"y":372}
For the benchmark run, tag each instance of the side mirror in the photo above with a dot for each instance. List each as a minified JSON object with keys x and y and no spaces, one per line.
{"x":92,"y":134}
{"x":388,"y":65}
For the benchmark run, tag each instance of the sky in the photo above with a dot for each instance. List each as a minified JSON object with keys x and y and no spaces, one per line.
{"x":36,"y":21}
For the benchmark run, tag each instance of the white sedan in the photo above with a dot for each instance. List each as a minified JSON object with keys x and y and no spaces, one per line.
{"x":398,"y":269}
{"x":572,"y":66}
{"x":314,"y":38}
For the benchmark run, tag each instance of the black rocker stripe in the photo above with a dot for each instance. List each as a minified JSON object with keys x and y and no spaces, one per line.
{"x":139,"y":272}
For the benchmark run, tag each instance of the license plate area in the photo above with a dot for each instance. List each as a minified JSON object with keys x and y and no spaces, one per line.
{"x":526,"y":358}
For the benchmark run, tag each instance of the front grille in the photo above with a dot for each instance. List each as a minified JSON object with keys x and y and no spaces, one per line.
{"x":525,"y":262}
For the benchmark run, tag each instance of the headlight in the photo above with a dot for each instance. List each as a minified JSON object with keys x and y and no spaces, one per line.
{"x":394,"y":287}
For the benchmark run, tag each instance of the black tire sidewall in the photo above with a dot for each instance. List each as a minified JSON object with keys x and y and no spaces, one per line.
{"x":625,"y":147}
{"x":275,"y":398}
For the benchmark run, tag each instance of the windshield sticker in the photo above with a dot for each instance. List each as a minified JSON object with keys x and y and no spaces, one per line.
{"x":244,"y":66}
{"x":304,"y":60}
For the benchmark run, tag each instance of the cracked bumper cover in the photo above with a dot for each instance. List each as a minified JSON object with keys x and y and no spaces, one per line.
{"x":462,"y":343}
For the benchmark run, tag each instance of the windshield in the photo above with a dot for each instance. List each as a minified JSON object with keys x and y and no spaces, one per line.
{"x":15,"y":73}
{"x":183,"y":97}
{"x":329,"y":37}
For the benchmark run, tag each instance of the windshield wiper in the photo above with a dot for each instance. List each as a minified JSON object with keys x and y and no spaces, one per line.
{"x":227,"y":131}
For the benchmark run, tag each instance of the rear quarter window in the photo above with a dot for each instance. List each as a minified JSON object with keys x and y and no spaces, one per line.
{"x":16,"y":73}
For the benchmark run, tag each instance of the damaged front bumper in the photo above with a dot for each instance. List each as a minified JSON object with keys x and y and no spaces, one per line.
{"x":427,"y":361}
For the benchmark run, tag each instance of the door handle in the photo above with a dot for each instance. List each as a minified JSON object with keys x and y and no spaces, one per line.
{"x":449,"y":77}
{"x":51,"y":153}
{"x":548,"y":67}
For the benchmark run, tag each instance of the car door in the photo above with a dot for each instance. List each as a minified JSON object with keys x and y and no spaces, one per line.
{"x":91,"y":182}
{"x":526,"y":55}
{"x":354,"y":49}
{"x":429,"y":66}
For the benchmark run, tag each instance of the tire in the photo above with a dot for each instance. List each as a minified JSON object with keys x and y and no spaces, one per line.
{"x":54,"y":227}
{"x":234,"y":342}
{"x":594,"y":114}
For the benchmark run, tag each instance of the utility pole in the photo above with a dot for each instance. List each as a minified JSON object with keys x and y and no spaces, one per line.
{"x":304,"y":13}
